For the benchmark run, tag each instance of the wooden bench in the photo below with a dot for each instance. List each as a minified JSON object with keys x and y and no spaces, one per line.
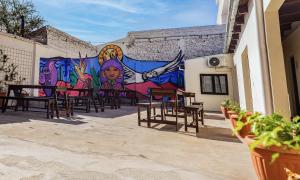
{"x":50,"y":102}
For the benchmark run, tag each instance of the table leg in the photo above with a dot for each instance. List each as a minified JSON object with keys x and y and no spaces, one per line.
{"x":154,"y":113}
{"x":148,"y":116}
{"x":162,"y":112}
{"x":4,"y":105}
{"x":72,"y":108}
{"x":197,"y":121}
{"x":48,"y":108}
{"x":95,"y":106}
{"x":185,"y":119}
{"x":139,"y":116}
{"x":56,"y":108}
{"x":176,"y":114}
{"x":202,"y":116}
{"x":52,"y":109}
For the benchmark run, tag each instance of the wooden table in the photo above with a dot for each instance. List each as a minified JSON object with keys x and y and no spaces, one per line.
{"x":159,"y":95}
{"x":84,"y":95}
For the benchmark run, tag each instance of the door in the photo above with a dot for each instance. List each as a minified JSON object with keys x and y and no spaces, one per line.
{"x":295,"y":85}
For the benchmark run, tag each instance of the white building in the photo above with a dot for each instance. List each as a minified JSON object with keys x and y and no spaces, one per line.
{"x":264,"y":37}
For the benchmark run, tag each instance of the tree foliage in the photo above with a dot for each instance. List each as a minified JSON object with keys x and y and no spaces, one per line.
{"x":11,"y":12}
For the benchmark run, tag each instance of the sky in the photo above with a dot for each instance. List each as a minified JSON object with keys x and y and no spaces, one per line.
{"x":101,"y":21}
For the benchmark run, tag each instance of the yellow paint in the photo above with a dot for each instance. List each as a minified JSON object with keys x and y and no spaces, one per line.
{"x":247,"y":80}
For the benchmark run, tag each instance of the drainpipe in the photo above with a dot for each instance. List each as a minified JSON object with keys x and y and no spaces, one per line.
{"x":264,"y":56}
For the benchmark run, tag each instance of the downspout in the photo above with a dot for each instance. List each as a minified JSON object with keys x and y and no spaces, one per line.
{"x":264,"y":56}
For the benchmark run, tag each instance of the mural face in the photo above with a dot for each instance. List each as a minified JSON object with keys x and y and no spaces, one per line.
{"x":111,"y":69}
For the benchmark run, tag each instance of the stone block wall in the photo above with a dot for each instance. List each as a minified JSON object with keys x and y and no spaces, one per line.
{"x":166,"y":43}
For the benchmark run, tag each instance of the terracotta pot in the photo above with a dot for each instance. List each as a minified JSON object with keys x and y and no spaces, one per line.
{"x":246,"y":130}
{"x":230,"y":112}
{"x":1,"y":100}
{"x":225,"y":112}
{"x":261,"y":158}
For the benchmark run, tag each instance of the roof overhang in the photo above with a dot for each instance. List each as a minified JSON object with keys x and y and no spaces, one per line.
{"x":236,"y":19}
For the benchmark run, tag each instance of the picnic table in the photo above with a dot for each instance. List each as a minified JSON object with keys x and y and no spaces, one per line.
{"x":84,"y":97}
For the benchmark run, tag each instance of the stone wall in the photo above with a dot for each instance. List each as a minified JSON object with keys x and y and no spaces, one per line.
{"x":164,"y":44}
{"x":57,"y":39}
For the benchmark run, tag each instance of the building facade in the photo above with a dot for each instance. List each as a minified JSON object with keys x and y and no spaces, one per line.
{"x":263,"y":37}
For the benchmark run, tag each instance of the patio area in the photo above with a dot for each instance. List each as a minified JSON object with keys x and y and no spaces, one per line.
{"x":110,"y":145}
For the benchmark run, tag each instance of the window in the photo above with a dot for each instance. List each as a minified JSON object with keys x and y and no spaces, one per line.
{"x":214,"y":84}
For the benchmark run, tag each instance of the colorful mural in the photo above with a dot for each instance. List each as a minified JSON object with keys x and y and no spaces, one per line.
{"x":111,"y":69}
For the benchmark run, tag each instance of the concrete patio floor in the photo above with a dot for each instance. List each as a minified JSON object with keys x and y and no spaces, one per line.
{"x":111,"y":145}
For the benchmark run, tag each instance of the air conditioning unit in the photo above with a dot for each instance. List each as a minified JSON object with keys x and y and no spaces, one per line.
{"x":216,"y":62}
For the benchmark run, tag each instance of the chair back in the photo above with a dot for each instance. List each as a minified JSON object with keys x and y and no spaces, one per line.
{"x":160,"y":94}
{"x":189,"y":98}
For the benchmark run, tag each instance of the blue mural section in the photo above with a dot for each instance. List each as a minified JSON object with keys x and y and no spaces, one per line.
{"x":111,"y":69}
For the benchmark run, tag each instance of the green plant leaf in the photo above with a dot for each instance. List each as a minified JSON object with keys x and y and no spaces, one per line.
{"x":274,"y":157}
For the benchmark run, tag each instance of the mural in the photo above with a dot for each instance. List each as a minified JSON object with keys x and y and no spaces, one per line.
{"x":111,"y":69}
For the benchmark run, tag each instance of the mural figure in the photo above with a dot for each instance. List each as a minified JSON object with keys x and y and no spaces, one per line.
{"x":111,"y":69}
{"x":48,"y":76}
{"x":112,"y":74}
{"x":84,"y":79}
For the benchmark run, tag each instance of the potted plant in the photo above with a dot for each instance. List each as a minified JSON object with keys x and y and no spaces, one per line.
{"x":274,"y":146}
{"x":234,"y":109}
{"x":241,"y":123}
{"x":225,"y":107}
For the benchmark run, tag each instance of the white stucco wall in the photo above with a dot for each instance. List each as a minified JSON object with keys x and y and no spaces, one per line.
{"x":26,"y":54}
{"x":195,"y":67}
{"x":250,"y":40}
{"x":223,"y":10}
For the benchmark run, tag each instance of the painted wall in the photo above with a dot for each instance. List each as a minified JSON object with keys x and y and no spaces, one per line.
{"x":291,"y":48}
{"x":195,"y":67}
{"x":112,"y":69}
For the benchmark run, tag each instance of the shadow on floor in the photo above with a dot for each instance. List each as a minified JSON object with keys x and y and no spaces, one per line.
{"x":11,"y":117}
{"x":217,"y":133}
{"x":214,"y":116}
{"x":166,"y":127}
{"x":110,"y":113}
